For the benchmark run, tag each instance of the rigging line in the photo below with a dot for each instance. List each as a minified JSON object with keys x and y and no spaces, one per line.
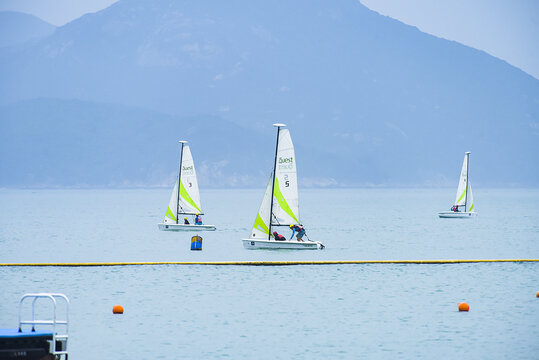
{"x":273,"y":177}
{"x":467,"y":176}
{"x":179,"y":186}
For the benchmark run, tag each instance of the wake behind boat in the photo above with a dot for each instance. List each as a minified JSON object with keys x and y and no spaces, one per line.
{"x":185,"y":199}
{"x":280,"y":205}
{"x":464,"y":196}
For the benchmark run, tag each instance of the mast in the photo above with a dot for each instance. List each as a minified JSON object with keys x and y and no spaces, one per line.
{"x":179,"y":183}
{"x":273,"y":178}
{"x":467,"y":176}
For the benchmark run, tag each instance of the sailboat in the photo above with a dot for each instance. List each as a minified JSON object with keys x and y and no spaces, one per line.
{"x":185,"y":198}
{"x":464,"y":203}
{"x":280,"y":205}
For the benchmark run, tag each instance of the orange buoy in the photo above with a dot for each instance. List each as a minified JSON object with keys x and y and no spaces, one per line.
{"x":537,"y":294}
{"x":117,"y":309}
{"x":464,"y":307}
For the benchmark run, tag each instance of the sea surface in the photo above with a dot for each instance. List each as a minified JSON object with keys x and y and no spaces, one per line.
{"x":374,"y":311}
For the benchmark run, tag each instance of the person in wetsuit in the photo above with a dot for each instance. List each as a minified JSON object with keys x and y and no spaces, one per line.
{"x":299,"y":229}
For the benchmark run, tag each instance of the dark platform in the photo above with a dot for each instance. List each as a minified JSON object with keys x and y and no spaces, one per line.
{"x":25,"y":345}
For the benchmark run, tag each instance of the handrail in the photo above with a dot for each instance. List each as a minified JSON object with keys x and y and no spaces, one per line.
{"x":52,"y":297}
{"x":42,"y":322}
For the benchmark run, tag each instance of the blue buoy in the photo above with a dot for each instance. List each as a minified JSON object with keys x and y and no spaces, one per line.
{"x":196,"y":243}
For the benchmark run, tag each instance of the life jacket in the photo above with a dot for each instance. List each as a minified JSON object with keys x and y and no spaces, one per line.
{"x":279,"y":237}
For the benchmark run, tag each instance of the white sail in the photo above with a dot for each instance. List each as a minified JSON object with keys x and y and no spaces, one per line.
{"x":464,"y":201}
{"x":285,"y":191}
{"x":185,"y":198}
{"x":172,"y":210}
{"x":261,"y":226}
{"x":471,"y":205}
{"x":189,"y":195}
{"x":283,"y":207}
{"x":460,"y":199}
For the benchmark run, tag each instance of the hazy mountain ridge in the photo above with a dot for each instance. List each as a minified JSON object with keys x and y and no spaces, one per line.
{"x":49,"y":142}
{"x":372,"y":101}
{"x":17,"y":28}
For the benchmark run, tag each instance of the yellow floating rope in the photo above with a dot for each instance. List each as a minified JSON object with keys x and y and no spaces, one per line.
{"x":276,"y":263}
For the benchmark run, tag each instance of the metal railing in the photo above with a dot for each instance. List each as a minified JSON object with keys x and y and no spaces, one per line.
{"x":58,"y":344}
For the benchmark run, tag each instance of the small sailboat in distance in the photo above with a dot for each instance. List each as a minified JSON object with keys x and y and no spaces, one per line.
{"x":464,"y":195}
{"x":280,"y":205}
{"x":185,"y":198}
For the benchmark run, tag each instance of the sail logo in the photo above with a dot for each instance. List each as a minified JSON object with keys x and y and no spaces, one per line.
{"x":188,"y":169}
{"x":286,"y":160}
{"x":286,"y":163}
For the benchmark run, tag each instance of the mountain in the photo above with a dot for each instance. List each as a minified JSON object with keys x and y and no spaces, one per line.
{"x":369,"y":100}
{"x":17,"y":28}
{"x":50,"y":142}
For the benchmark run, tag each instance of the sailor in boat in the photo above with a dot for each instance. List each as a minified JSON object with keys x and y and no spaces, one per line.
{"x":278,"y":236}
{"x":185,"y":221}
{"x":198,"y":219}
{"x":455,"y":208}
{"x":299,"y":229}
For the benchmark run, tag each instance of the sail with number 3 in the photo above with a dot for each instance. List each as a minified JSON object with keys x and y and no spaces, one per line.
{"x":185,"y":197}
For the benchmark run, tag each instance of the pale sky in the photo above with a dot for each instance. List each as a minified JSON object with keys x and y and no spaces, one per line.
{"x":56,"y":12}
{"x":507,"y":29}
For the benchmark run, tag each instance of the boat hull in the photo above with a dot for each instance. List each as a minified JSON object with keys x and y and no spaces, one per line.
{"x":457,"y":215}
{"x":185,"y":227}
{"x":252,"y":244}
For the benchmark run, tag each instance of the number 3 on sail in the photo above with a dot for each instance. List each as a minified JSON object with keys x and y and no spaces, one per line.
{"x":280,"y":205}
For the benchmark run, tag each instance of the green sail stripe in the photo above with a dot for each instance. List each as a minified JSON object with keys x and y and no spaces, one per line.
{"x":282,"y":202}
{"x":470,"y":209}
{"x":184,"y":195}
{"x":260,"y":226}
{"x":170,"y":214}
{"x":463,"y":194}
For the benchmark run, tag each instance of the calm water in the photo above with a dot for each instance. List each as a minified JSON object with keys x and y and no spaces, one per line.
{"x":348,"y":311}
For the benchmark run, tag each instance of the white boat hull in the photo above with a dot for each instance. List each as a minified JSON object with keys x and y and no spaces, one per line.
{"x":457,"y":215}
{"x":185,"y":227}
{"x":273,"y":244}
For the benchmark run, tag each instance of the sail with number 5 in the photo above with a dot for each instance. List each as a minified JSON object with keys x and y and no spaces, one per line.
{"x":280,"y":205}
{"x":185,"y":198}
{"x":285,"y":188}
